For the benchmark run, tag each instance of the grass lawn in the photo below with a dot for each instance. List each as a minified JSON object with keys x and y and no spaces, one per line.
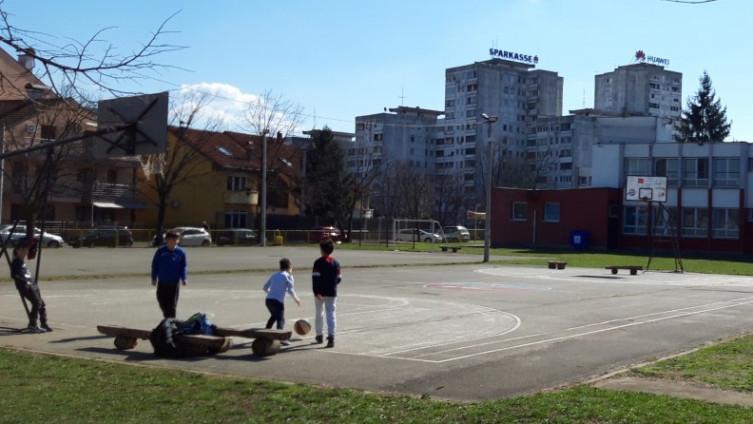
{"x":729,"y":266}
{"x":727,"y":365}
{"x":45,"y":389}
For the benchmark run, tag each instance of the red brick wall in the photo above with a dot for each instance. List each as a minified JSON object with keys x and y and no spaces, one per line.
{"x":580,"y":209}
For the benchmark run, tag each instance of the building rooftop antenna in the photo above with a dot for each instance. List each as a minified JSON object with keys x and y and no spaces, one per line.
{"x":402,"y":96}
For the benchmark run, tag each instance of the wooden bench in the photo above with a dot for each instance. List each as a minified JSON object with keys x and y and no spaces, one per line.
{"x":557,"y":264}
{"x":266,"y":342}
{"x":632,"y":268}
{"x":453,"y":248}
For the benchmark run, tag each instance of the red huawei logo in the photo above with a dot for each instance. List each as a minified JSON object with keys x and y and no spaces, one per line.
{"x":640,"y":55}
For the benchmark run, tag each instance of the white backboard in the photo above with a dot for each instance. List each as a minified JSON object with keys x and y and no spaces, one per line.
{"x":147,"y":117}
{"x":646,"y":189}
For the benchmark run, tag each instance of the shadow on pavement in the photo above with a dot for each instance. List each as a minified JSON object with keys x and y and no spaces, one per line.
{"x":605,"y":277}
{"x":78,"y":339}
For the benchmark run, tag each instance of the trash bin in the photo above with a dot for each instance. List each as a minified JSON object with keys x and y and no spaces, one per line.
{"x":580,"y":240}
{"x":278,"y":238}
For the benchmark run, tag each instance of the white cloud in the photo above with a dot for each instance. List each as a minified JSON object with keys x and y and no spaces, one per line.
{"x":221,"y":104}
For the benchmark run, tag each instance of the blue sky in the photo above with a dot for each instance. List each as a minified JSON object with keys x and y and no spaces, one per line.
{"x":340,"y":59}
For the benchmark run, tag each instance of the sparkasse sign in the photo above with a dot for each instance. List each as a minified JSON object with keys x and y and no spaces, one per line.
{"x":640,"y":56}
{"x":504,"y":54}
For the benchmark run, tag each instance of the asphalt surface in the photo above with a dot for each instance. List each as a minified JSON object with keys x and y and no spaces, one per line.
{"x":92,"y":262}
{"x":462,"y":332}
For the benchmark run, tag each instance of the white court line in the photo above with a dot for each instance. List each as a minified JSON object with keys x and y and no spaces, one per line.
{"x":658,"y":313}
{"x":561,"y":338}
{"x":565,"y":330}
{"x":588,"y":325}
{"x":515,"y":318}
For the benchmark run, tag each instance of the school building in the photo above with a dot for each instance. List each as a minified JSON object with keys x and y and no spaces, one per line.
{"x":709,"y":205}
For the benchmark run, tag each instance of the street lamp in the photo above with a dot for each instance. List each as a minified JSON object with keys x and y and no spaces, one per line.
{"x":490,"y":120}
{"x":263,"y":234}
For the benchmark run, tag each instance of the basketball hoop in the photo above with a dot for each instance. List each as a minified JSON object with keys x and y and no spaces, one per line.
{"x":646,"y":189}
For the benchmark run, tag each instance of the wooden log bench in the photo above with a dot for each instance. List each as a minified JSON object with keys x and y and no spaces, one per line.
{"x":557,"y":264}
{"x":454,"y":249}
{"x":632,"y":268}
{"x":266,"y":342}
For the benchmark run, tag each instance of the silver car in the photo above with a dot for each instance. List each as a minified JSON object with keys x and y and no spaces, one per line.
{"x":19,"y":233}
{"x":193,"y":236}
{"x":409,"y":234}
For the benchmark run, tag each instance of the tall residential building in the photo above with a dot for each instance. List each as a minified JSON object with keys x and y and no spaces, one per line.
{"x":516,"y":93}
{"x":640,"y":89}
{"x":400,"y":135}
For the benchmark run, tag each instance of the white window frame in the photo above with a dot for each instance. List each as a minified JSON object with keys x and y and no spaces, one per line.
{"x":644,"y":165}
{"x":236,"y":183}
{"x":691,"y":178}
{"x":673,"y":176}
{"x":730,"y":228}
{"x":726,"y":172}
{"x":695,"y":230}
{"x":636,"y":227}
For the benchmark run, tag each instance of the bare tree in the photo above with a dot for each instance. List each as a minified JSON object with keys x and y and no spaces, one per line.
{"x":50,"y":100}
{"x":406,"y":192}
{"x":181,"y":160}
{"x":95,"y":63}
{"x":273,"y":115}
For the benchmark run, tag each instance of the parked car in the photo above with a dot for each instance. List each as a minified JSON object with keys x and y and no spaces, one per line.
{"x":456,"y":233}
{"x":104,"y":236}
{"x":409,"y":234}
{"x":237,"y":236}
{"x":193,"y":236}
{"x":329,"y":232}
{"x":19,"y":233}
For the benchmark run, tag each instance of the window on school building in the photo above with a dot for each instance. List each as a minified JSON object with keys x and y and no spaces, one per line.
{"x":520,"y":211}
{"x":695,"y":222}
{"x":636,"y":220}
{"x":551,"y":212}
{"x":664,"y":222}
{"x":669,"y":168}
{"x":695,"y":172}
{"x":726,"y":172}
{"x":724,"y":223}
{"x":637,"y":166}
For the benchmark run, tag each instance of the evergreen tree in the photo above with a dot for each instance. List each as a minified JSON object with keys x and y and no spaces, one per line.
{"x":705,"y":120}
{"x":329,"y":187}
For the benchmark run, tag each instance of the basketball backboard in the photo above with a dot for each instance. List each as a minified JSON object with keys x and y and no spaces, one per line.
{"x":144,"y":119}
{"x":646,"y":189}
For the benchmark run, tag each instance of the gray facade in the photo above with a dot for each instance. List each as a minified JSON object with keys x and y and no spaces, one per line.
{"x":514,"y":92}
{"x":640,"y":89}
{"x":401,"y":135}
{"x":562,"y":146}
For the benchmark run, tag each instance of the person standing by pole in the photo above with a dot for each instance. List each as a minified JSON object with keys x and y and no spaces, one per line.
{"x":28,"y":288}
{"x":169,"y":269}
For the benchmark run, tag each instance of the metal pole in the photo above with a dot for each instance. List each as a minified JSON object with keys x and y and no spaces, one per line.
{"x":2,"y":170}
{"x":264,"y":188}
{"x":487,"y":228}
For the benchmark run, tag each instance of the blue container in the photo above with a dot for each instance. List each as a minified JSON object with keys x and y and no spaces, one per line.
{"x":580,"y":240}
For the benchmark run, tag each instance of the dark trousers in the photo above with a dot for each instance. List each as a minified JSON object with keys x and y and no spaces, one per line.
{"x":277,"y":310}
{"x":167,"y":296}
{"x":38,"y":309}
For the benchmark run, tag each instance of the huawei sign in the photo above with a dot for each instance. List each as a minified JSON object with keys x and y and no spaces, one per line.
{"x":640,"y":56}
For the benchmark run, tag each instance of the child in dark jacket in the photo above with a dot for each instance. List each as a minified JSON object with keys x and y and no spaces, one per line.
{"x":28,"y":289}
{"x":326,"y":277}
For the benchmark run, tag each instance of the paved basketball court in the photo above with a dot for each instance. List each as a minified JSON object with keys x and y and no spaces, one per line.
{"x":461,"y":332}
